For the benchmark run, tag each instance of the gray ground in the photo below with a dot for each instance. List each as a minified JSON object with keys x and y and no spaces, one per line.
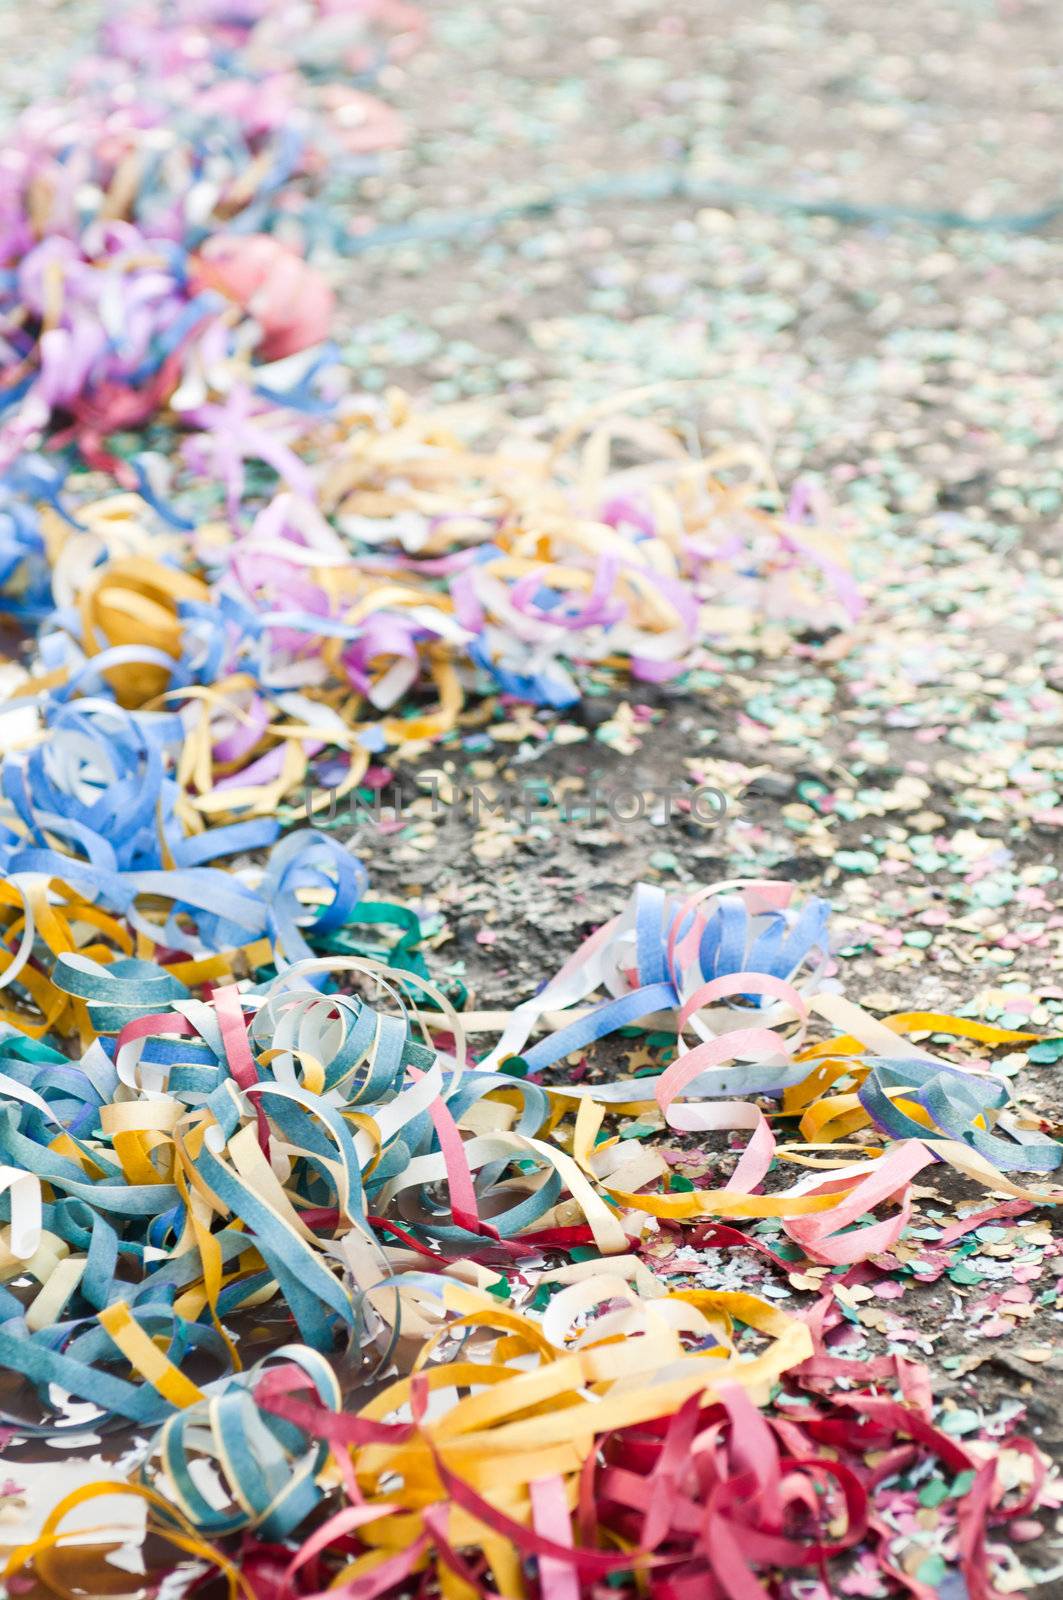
{"x":914,"y":373}
{"x":912,"y":370}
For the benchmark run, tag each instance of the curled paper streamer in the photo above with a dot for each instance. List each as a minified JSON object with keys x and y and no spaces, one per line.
{"x":186,"y":121}
{"x":293,"y":1141}
{"x":290,"y":301}
{"x":701,"y":1498}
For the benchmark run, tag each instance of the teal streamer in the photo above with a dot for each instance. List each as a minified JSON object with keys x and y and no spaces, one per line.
{"x":676,"y":183}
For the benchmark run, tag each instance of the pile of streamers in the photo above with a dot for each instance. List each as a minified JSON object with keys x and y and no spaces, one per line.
{"x":357,"y":609}
{"x":295,"y":1145}
{"x":378,"y":1306}
{"x":143,"y":211}
{"x":301,"y":578}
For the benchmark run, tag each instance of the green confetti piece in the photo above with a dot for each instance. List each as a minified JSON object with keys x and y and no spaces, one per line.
{"x":932,"y":1571}
{"x":1045,"y":1054}
{"x":811,"y":790}
{"x":664,"y":861}
{"x":963,"y":1274}
{"x":958,"y":1423}
{"x":856,"y":860}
